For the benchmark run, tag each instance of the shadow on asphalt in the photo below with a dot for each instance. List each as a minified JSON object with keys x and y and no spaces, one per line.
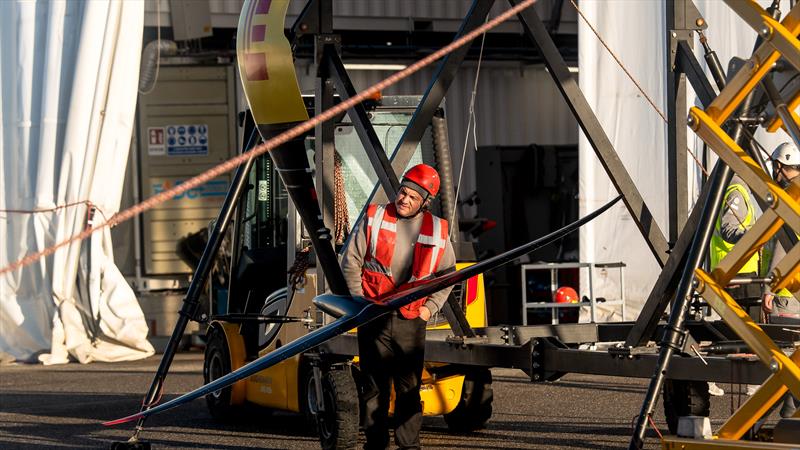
{"x":39,"y":420}
{"x":547,"y":436}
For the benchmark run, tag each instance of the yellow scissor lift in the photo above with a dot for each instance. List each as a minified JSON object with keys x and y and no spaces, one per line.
{"x":779,"y":40}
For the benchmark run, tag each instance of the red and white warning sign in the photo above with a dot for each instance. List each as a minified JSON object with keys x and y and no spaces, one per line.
{"x":155,"y":141}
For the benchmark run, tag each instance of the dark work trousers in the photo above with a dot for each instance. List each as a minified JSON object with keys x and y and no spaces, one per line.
{"x":748,"y":296}
{"x":392,"y":348}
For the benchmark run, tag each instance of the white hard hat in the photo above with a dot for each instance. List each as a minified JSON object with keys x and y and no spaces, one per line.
{"x":786,"y":154}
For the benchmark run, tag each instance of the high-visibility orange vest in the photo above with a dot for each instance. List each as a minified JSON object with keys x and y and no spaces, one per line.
{"x":376,"y":274}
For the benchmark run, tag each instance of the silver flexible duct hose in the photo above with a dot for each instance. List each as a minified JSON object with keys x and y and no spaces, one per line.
{"x":152,"y":52}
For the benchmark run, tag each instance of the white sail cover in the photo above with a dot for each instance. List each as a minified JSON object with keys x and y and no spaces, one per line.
{"x":635,"y":31}
{"x":69,"y":73}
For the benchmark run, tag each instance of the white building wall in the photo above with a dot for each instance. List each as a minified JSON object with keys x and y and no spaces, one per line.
{"x":361,"y":14}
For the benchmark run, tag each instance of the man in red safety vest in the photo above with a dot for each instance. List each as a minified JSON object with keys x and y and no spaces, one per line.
{"x":394,"y":246}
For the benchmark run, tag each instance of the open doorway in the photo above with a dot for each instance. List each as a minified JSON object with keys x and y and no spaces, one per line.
{"x":528,"y":191}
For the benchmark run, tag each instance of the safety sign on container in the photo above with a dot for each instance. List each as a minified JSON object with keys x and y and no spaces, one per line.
{"x":178,"y":140}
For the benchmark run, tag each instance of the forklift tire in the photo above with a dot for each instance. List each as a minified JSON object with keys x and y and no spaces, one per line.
{"x":217,"y":363}
{"x":337,"y":426}
{"x":684,"y":398}
{"x":475,"y":408}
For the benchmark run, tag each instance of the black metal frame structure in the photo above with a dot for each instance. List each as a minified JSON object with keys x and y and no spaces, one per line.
{"x":544,"y":352}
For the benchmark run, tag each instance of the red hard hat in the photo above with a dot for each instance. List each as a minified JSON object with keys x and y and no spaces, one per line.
{"x":424,"y":176}
{"x":566,"y":295}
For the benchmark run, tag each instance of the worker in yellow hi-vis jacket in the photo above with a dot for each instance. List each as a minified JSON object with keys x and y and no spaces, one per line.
{"x":781,"y":306}
{"x":737,"y":215}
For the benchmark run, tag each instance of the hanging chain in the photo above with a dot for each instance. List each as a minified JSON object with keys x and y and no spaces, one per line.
{"x":297,"y":273}
{"x":341,"y":218}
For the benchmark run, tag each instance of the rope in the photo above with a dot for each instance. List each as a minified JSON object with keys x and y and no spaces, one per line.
{"x":471,"y":121}
{"x":619,"y":62}
{"x":633,"y":80}
{"x":653,"y":424}
{"x":88,"y":203}
{"x":341,"y":219}
{"x":280,"y":139}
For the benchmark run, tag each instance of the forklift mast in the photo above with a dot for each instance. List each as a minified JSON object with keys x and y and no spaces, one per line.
{"x":268,"y":231}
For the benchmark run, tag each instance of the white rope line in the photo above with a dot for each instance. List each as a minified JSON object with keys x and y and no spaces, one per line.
{"x":471,"y":121}
{"x":633,"y":80}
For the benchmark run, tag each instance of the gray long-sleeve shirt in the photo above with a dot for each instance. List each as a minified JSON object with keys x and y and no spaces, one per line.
{"x":402,"y":260}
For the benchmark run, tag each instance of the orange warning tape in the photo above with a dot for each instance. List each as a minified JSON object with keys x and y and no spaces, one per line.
{"x":282,"y":138}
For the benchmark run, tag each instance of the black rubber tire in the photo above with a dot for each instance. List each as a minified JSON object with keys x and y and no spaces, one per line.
{"x":217,"y":363}
{"x":337,"y":427}
{"x":685,"y":398}
{"x":475,"y":408}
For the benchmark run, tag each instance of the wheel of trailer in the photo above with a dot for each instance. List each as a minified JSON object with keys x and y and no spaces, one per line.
{"x":216,"y":364}
{"x":684,"y":398}
{"x":337,"y":425}
{"x":475,"y":408}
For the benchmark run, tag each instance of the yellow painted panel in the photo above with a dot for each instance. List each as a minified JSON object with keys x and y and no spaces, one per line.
{"x":750,"y":171}
{"x":779,"y":37}
{"x":293,"y":383}
{"x":476,"y":309}
{"x":237,"y":351}
{"x":755,"y":406}
{"x":268,"y":387}
{"x":442,"y":396}
{"x":749,"y":331}
{"x":266,"y":64}
{"x":751,"y":74}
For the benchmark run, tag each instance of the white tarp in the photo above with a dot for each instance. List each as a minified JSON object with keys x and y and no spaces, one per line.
{"x":69,"y":73}
{"x":635,"y":31}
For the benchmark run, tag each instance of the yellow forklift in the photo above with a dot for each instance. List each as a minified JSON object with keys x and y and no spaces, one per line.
{"x":260,"y":308}
{"x":279,"y":217}
{"x":319,"y":371}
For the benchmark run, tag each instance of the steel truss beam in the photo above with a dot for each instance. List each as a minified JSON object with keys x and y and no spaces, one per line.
{"x":324,"y":140}
{"x":332,"y":70}
{"x":756,"y":405}
{"x":682,"y":19}
{"x":432,"y":99}
{"x":778,"y":40}
{"x":653,"y":236}
{"x":666,"y":284}
{"x":364,"y":129}
{"x":190,"y":309}
{"x":540,"y":353}
{"x":757,"y":67}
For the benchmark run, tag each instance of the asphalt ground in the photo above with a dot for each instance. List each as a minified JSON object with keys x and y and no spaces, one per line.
{"x":62,"y":407}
